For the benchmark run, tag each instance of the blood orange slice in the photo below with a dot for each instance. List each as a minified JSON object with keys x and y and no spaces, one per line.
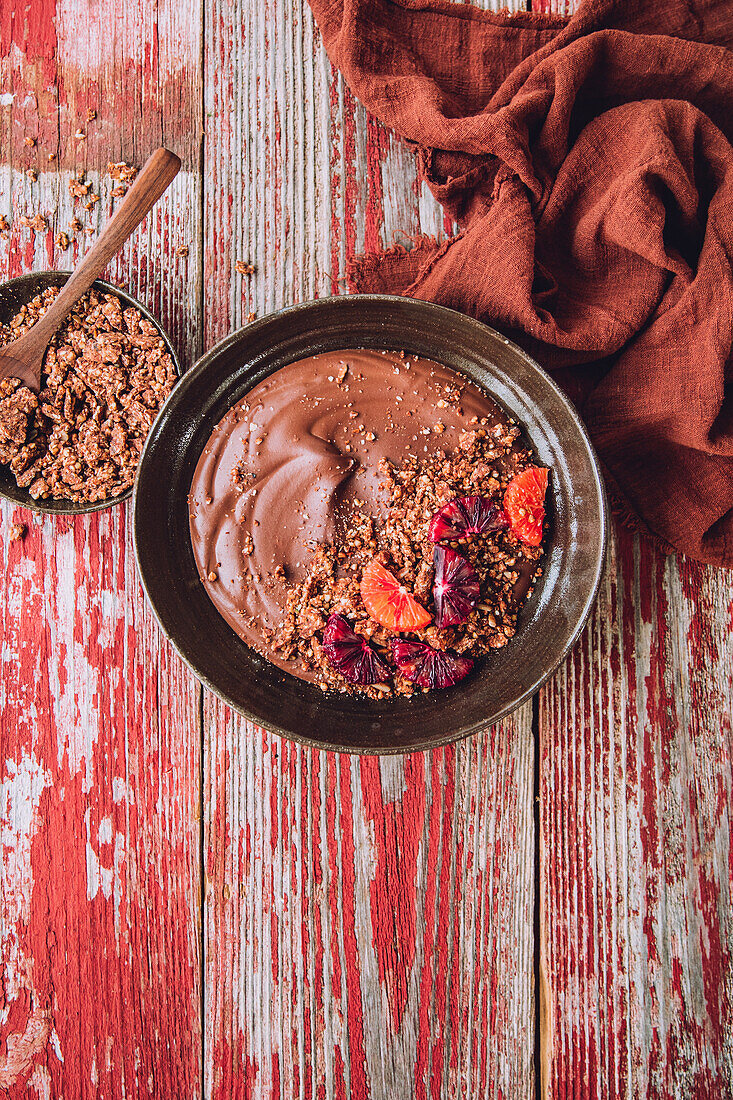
{"x":428,"y":667}
{"x":389,"y":602}
{"x":524,"y":503}
{"x":463,"y":517}
{"x":456,"y":589}
{"x":351,"y":654}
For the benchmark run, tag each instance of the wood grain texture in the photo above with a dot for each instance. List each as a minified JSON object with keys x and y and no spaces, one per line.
{"x":369,"y":923}
{"x":636,"y":814}
{"x":99,"y":722}
{"x":369,"y":926}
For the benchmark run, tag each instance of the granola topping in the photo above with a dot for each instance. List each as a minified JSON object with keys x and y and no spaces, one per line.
{"x":106,"y":373}
{"x":329,"y":473}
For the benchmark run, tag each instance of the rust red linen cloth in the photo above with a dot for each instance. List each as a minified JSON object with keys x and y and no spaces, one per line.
{"x":588,"y":162}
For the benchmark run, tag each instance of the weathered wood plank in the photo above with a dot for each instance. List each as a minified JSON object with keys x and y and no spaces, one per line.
{"x":99,"y":722}
{"x":368,"y":925}
{"x":635,"y":837}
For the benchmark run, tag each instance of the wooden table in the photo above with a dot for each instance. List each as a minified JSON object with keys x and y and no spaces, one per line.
{"x":191,"y":906}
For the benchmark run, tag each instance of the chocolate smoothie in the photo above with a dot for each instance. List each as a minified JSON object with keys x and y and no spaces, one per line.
{"x":287,"y":468}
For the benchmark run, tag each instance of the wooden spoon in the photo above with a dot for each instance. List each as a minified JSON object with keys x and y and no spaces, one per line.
{"x":23,"y":358}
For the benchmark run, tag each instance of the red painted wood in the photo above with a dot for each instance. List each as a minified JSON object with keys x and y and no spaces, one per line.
{"x":636,"y":819}
{"x":99,"y":741}
{"x":368,"y":925}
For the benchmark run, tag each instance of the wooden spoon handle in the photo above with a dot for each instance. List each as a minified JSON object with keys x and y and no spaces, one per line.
{"x":155,"y":175}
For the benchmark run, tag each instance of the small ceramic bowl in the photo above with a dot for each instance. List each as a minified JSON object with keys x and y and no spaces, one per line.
{"x":16,"y":293}
{"x":549,"y":622}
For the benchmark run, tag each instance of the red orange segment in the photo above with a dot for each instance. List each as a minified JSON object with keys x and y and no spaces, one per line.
{"x":389,"y":602}
{"x":524,"y":503}
{"x":428,"y":667}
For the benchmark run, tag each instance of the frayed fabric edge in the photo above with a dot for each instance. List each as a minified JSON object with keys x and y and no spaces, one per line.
{"x":410,"y":267}
{"x":393,"y":270}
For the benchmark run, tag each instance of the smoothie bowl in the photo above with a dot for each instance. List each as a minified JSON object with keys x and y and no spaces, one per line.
{"x":369,"y":523}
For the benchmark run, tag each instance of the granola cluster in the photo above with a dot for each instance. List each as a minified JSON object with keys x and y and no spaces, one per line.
{"x":106,"y":374}
{"x":486,"y":461}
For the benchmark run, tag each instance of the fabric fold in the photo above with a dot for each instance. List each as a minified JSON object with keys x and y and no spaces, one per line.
{"x":588,"y":163}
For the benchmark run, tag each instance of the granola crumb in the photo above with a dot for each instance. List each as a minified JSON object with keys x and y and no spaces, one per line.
{"x":121,"y":171}
{"x":213,"y":576}
{"x":30,"y":142}
{"x":80,"y":134}
{"x":78,"y":188}
{"x":62,"y":241}
{"x":4,"y":224}
{"x":91,"y":114}
{"x":32,"y":174}
{"x":182,"y":250}
{"x":17,"y":532}
{"x":243,"y":267}
{"x":37,"y":223}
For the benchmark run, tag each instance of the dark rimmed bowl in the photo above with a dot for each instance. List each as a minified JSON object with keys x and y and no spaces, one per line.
{"x":549,"y":622}
{"x":19,"y":292}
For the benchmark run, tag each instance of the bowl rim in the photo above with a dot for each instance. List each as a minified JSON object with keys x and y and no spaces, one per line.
{"x":190,"y":380}
{"x":64,"y":506}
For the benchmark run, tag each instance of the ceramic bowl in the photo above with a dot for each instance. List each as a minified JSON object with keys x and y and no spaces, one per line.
{"x":16,"y":293}
{"x":549,"y":622}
